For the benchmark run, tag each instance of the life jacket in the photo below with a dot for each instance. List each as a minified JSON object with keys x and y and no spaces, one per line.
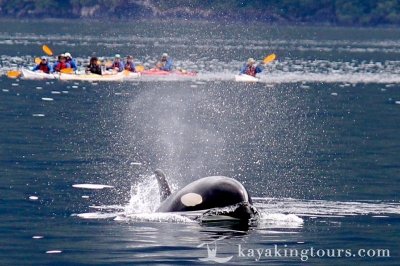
{"x":251,"y":71}
{"x":116,"y":65}
{"x":44,"y":68}
{"x":60,"y":66}
{"x":130,"y":67}
{"x":94,"y":68}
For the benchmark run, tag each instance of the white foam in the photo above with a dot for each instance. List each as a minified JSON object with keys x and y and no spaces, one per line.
{"x":47,"y":99}
{"x":95,"y":215}
{"x":37,"y":237}
{"x":91,"y":186}
{"x":323,"y":208}
{"x":155,"y":217}
{"x":38,"y":115}
{"x":144,"y":196}
{"x":136,"y":163}
{"x":5,"y":90}
{"x":85,"y":197}
{"x":280,"y":220}
{"x":55,"y":92}
{"x":54,"y":251}
{"x":334,"y":94}
{"x":397,"y":102}
{"x":33,"y":197}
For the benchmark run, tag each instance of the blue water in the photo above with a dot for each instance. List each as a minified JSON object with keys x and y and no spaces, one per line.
{"x":316,"y":143}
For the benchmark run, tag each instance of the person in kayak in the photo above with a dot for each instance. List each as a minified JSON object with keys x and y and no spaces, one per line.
{"x":94,"y":66}
{"x":61,"y":63}
{"x":117,"y":65}
{"x":165,"y":63}
{"x":129,"y":65}
{"x":71,"y":61}
{"x":250,"y":68}
{"x":43,"y":66}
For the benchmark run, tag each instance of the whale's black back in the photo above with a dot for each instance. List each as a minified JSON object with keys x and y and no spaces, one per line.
{"x":214,"y":191}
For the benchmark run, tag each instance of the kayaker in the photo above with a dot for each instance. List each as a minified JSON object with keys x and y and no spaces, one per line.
{"x":61,"y":63}
{"x":117,"y":65}
{"x":94,"y":66}
{"x":129,"y":65}
{"x":250,"y":68}
{"x":165,"y":63}
{"x":43,"y":66}
{"x":71,"y":61}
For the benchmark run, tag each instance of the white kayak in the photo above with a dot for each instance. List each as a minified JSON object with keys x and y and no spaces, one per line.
{"x":95,"y":77}
{"x":132,"y":75}
{"x":246,"y":78}
{"x":29,"y":74}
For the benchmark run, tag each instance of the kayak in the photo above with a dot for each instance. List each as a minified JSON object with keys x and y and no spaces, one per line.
{"x":131,"y":75}
{"x":93,"y":77}
{"x":29,"y":74}
{"x":162,"y":73}
{"x":246,"y":78}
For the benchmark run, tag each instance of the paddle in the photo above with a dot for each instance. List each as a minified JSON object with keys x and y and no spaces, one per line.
{"x":47,"y":50}
{"x":67,"y":71}
{"x":269,"y":58}
{"x":139,"y":68}
{"x":13,"y":74}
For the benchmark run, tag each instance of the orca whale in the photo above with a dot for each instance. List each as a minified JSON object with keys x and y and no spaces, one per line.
{"x":217,"y":195}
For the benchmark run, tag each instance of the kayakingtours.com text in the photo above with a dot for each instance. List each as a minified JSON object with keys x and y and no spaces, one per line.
{"x":305,"y":254}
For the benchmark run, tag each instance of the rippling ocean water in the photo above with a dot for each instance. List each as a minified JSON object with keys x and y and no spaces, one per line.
{"x":316,"y":144}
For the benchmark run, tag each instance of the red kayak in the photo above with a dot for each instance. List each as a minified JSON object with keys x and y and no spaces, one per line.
{"x":157,"y":72}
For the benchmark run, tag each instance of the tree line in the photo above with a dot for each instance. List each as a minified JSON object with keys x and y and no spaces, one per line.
{"x":336,"y":12}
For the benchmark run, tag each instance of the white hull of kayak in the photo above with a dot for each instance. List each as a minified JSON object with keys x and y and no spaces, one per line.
{"x":29,"y":74}
{"x":132,"y":75}
{"x":246,"y":78}
{"x":92,"y":77}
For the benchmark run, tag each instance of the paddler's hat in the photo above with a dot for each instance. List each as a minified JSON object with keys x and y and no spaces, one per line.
{"x":68,"y":55}
{"x":164,"y":55}
{"x":117,"y":56}
{"x":251,"y":60}
{"x":43,"y":58}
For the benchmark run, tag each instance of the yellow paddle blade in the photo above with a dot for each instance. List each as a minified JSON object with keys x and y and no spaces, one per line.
{"x":139,"y":68}
{"x":13,"y":74}
{"x":269,"y":58}
{"x":38,"y":60}
{"x":47,"y":50}
{"x":67,"y":71}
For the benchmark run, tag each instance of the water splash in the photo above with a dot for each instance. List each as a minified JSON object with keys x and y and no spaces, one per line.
{"x":145,"y":196}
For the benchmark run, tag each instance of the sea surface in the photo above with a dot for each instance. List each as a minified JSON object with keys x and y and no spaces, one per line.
{"x":316,"y":142}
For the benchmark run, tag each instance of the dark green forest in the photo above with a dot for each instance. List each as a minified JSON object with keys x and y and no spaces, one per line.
{"x":335,"y":12}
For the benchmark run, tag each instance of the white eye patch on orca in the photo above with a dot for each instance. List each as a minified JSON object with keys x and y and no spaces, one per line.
{"x":191,"y":199}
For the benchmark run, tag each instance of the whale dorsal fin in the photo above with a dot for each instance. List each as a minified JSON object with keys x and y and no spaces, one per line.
{"x":165,"y":191}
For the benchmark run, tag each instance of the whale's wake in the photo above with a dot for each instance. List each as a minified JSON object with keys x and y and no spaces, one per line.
{"x":274,"y":212}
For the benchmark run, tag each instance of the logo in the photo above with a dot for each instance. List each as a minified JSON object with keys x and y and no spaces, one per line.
{"x":212,"y":252}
